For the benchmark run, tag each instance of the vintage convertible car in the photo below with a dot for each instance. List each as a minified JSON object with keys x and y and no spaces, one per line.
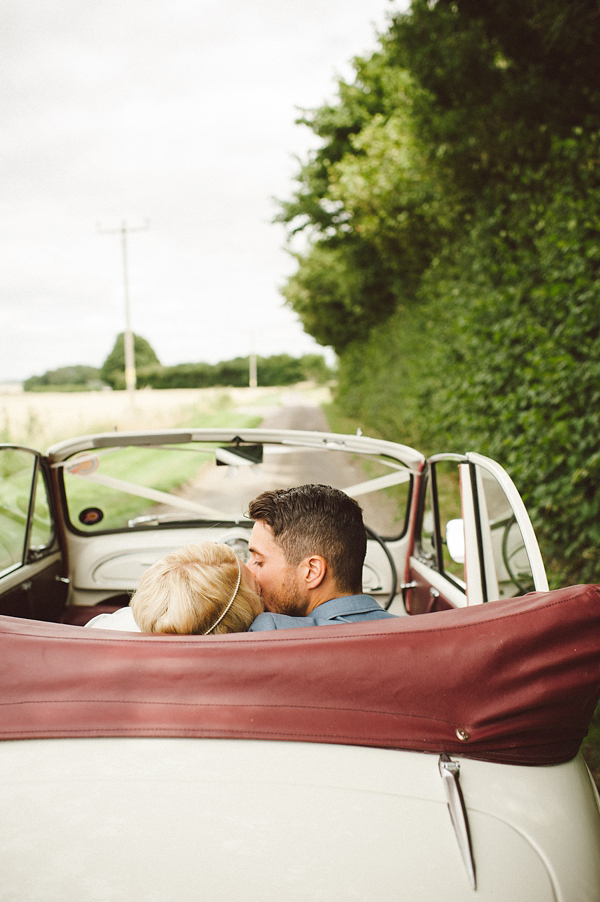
{"x":424,"y":757}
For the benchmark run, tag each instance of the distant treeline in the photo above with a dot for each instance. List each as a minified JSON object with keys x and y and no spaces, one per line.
{"x":280,"y":369}
{"x":66,"y":378}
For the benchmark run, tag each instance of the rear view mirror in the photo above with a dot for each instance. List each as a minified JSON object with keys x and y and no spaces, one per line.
{"x":239,"y":455}
{"x":455,"y":540}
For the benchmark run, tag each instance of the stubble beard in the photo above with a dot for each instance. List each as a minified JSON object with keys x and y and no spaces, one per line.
{"x":291,"y":601}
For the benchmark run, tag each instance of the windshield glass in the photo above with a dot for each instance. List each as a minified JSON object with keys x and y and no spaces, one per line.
{"x":144,"y":486}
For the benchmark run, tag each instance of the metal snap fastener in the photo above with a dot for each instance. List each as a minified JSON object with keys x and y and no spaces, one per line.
{"x":463,"y":735}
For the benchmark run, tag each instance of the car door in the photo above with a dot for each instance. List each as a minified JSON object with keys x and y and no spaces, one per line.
{"x":473,"y":540}
{"x":32,"y":580}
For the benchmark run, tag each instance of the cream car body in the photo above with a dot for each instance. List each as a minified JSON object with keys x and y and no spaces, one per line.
{"x":157,"y":816}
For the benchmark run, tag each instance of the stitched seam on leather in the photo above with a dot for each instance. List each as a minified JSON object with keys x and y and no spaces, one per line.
{"x":201,"y":705}
{"x":352,"y":737}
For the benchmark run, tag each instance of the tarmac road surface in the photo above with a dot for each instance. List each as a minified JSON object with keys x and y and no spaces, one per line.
{"x":221,"y":488}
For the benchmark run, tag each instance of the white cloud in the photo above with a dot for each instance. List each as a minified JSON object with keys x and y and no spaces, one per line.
{"x":181,"y":113}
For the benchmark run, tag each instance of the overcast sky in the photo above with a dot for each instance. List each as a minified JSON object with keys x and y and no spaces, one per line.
{"x":179,"y":113}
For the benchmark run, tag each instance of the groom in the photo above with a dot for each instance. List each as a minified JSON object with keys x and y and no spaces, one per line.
{"x":307,"y":549}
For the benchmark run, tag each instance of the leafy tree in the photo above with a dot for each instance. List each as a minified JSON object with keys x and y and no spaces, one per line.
{"x":113,"y":368}
{"x":64,"y":378}
{"x":375,"y":90}
{"x":366,"y":203}
{"x":339,"y":291}
{"x":498,"y":81}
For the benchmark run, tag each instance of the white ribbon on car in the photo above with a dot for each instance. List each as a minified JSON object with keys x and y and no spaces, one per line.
{"x":379,"y":482}
{"x":142,"y":491}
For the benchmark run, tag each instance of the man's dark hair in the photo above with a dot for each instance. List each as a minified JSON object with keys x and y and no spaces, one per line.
{"x":317,"y":519}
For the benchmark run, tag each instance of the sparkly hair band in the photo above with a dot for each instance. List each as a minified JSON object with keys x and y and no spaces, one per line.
{"x":231,"y":600}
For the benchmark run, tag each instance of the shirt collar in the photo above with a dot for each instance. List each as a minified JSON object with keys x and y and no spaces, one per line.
{"x":347,"y":604}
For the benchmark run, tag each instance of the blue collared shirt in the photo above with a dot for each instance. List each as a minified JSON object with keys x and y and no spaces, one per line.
{"x":348,"y":609}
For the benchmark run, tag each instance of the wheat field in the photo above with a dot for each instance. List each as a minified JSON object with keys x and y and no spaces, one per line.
{"x":40,"y":419}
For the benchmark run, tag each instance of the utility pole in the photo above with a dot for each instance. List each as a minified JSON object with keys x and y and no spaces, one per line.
{"x":252,"y":377}
{"x":124,"y":230}
{"x":252,"y":361}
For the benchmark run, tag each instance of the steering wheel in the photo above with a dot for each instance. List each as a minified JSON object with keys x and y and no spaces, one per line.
{"x":394,"y":573}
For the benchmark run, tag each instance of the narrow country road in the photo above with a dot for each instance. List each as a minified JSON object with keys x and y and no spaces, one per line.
{"x":222,"y":488}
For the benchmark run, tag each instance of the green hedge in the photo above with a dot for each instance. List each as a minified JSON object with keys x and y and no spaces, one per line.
{"x":501,"y":354}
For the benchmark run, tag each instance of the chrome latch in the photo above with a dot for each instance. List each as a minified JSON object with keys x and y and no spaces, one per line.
{"x":450,"y":772}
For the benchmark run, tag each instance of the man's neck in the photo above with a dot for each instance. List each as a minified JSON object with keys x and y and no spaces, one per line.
{"x":324,"y":596}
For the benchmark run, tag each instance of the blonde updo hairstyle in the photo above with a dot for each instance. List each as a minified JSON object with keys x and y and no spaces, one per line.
{"x":188,"y":590}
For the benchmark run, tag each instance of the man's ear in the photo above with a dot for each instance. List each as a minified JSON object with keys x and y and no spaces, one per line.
{"x":315,"y":568}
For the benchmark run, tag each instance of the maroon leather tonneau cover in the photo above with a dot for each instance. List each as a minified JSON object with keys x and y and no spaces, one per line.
{"x":512,"y":681}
